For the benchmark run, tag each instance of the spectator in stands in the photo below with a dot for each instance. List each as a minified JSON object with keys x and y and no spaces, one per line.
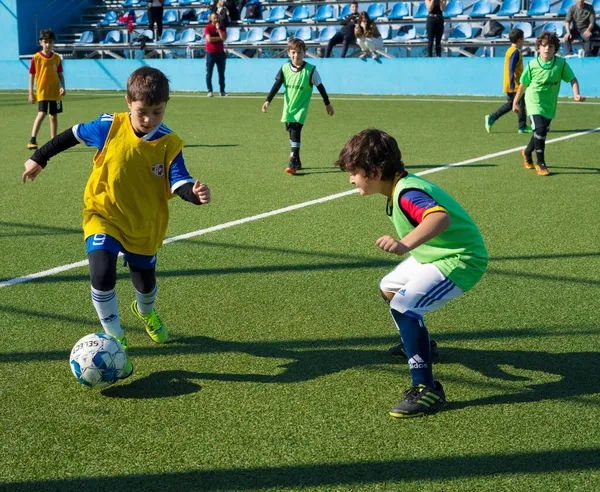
{"x":234,"y":13}
{"x":580,"y":23}
{"x":222,"y":12}
{"x":513,"y":69}
{"x":435,"y":25}
{"x":346,"y":34}
{"x":155,"y":16}
{"x":367,"y":36}
{"x":47,"y":72}
{"x":215,"y":35}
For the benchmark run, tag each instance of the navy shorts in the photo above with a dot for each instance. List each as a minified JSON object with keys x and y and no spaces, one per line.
{"x":109,"y":243}
{"x":55,"y":107}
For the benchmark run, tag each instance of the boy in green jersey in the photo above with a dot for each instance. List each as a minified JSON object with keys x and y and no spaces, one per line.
{"x":542,"y":79}
{"x":299,"y":78}
{"x":447,"y":255}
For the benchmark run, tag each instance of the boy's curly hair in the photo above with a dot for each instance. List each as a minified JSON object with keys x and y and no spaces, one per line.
{"x":550,"y":38}
{"x":148,"y":85}
{"x":374,"y":152}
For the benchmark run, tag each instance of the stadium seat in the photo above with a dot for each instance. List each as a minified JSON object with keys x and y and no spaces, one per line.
{"x":300,"y":13}
{"x":405,"y":33}
{"x":278,"y":35}
{"x":304,"y":33}
{"x":142,"y":18}
{"x":481,"y":8}
{"x":112,"y":37}
{"x":509,"y":8}
{"x":375,"y":10}
{"x":234,"y":35}
{"x":526,"y":28}
{"x":461,"y":31}
{"x":185,"y":2}
{"x":86,"y":37}
{"x":422,"y":12}
{"x":324,"y":12}
{"x":327,"y":33}
{"x":277,"y":14}
{"x":188,"y":36}
{"x":188,"y":15}
{"x":168,"y":36}
{"x":144,"y":32}
{"x":564,"y":6}
{"x":539,"y":7}
{"x":345,"y":11}
{"x":168,"y":3}
{"x":203,"y":17}
{"x":454,"y":8}
{"x":557,"y":28}
{"x":255,"y":35}
{"x":596,"y":6}
{"x":109,"y":18}
{"x":133,"y":3}
{"x":399,"y":11}
{"x":384,"y":30}
{"x":170,"y":17}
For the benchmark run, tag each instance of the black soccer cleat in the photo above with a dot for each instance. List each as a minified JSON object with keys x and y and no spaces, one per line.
{"x":419,"y":401}
{"x":398,"y":351}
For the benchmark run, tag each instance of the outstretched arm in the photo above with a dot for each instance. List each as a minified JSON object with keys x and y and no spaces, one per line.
{"x":38,"y":161}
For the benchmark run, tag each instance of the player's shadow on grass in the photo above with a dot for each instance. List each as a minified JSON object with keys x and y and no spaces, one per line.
{"x":189,"y":146}
{"x":573,"y":170}
{"x":163,"y":384}
{"x":36,"y":230}
{"x":435,"y":166}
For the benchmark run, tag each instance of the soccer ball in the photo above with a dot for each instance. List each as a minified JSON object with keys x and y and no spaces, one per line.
{"x":98,"y":360}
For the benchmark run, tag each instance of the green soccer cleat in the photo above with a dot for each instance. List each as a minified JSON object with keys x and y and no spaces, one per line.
{"x":527,"y":129}
{"x":489,"y":121}
{"x":128,"y":371}
{"x":153,"y":324}
{"x":420,"y":400}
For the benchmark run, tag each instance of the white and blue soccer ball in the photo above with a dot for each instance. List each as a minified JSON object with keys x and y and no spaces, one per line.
{"x":98,"y":360}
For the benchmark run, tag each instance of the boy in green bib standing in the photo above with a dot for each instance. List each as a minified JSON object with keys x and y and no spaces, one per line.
{"x":298,"y":78}
{"x":446,"y":255}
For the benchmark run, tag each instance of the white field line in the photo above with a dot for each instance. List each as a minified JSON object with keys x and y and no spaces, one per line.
{"x":227,"y":225}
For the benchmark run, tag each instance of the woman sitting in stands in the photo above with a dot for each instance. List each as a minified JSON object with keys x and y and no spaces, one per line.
{"x":367,"y":36}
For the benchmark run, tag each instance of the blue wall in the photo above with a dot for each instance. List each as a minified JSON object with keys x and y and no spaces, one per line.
{"x":444,"y":76}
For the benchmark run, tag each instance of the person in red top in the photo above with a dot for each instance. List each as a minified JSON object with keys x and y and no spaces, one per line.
{"x":47,"y":72}
{"x":215,"y":35}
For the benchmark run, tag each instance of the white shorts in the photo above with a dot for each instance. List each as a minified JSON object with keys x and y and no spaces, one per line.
{"x":418,"y":288}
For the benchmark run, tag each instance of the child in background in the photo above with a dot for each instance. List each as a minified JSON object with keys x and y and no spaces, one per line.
{"x":447,"y":255}
{"x":47,"y":72}
{"x":513,"y":68}
{"x":542,"y":79}
{"x":138,"y":167}
{"x":298,"y":78}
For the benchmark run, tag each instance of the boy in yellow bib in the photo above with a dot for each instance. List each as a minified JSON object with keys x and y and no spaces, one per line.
{"x":138,"y":167}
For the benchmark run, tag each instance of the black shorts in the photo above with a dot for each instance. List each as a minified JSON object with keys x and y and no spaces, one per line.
{"x":54,"y":106}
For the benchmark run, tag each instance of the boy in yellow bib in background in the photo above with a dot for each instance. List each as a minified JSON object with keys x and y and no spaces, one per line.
{"x":138,"y":167}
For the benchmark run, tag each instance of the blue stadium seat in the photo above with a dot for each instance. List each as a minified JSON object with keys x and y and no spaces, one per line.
{"x":234,"y":35}
{"x":596,"y":6}
{"x":345,"y":11}
{"x":170,"y":17}
{"x":539,"y":7}
{"x":185,"y":2}
{"x":304,"y":33}
{"x":133,"y":3}
{"x":168,"y":36}
{"x":188,"y":36}
{"x":399,"y":11}
{"x":526,"y":28}
{"x":112,"y":37}
{"x":168,"y":3}
{"x":144,"y":32}
{"x":183,"y":16}
{"x":203,"y":17}
{"x":509,"y":8}
{"x":461,"y":31}
{"x":422,"y":12}
{"x":405,"y":33}
{"x":564,"y":6}
{"x":86,"y":37}
{"x":454,"y":8}
{"x":300,"y":13}
{"x":384,"y":30}
{"x":481,"y":8}
{"x":109,"y":18}
{"x":277,"y":14}
{"x":255,"y":35}
{"x":375,"y":10}
{"x":142,"y":19}
{"x":557,"y":28}
{"x":324,"y":12}
{"x":327,"y":33}
{"x":278,"y":35}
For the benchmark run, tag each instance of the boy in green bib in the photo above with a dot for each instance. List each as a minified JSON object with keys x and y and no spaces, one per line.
{"x":542,"y":79}
{"x":447,"y":255}
{"x":298,"y":78}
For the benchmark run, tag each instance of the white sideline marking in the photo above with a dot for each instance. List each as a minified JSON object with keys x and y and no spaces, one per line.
{"x":227,"y":225}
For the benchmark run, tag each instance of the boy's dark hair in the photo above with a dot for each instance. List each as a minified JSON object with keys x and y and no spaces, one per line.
{"x":354,"y":2}
{"x":148,"y":85}
{"x":515,"y":35}
{"x":47,"y":35}
{"x":296,"y":44}
{"x":374,"y":152}
{"x":550,"y":38}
